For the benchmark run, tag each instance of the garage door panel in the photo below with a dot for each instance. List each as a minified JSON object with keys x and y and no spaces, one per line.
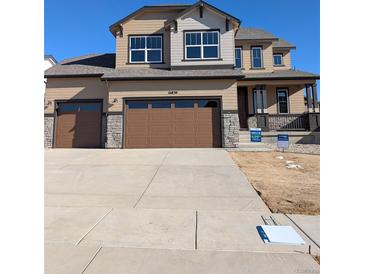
{"x":78,"y":125}
{"x":173,"y":123}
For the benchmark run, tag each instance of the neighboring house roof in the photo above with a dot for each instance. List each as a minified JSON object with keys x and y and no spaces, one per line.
{"x":281,"y":43}
{"x":205,"y":4}
{"x":159,"y":74}
{"x":86,"y":65}
{"x":50,"y":57}
{"x":281,"y":75}
{"x":254,"y":34}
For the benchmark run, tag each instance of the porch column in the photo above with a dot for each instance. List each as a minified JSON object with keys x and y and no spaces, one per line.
{"x":315,"y":98}
{"x":309,"y":97}
{"x":256,"y":96}
{"x":261,"y":99}
{"x":264,"y":99}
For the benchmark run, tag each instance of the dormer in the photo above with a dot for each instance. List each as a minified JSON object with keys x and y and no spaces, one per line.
{"x":258,"y":50}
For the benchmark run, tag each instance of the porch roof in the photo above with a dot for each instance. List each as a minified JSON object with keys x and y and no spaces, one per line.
{"x":282,"y":75}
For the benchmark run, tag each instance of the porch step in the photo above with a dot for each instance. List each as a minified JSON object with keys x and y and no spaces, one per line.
{"x":252,"y":146}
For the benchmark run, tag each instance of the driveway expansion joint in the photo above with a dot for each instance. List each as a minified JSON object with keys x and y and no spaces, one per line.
{"x":153,"y":177}
{"x":91,"y":260}
{"x":79,"y":241}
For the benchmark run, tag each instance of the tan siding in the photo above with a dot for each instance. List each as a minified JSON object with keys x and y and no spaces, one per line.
{"x":124,"y":89}
{"x":74,"y":88}
{"x":286,"y":59}
{"x":147,"y":23}
{"x":210,"y":20}
{"x":267,"y":55}
{"x":296,"y":98}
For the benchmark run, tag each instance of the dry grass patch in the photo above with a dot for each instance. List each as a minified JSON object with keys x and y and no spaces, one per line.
{"x":284,"y":190}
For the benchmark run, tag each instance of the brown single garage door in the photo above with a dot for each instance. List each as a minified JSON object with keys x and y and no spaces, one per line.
{"x":172,"y":123}
{"x":78,"y":125}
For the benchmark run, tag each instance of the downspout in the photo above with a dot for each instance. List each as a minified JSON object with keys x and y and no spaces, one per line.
{"x":106,"y":114}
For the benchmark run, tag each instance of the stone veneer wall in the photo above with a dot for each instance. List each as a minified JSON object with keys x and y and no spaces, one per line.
{"x":104,"y":132}
{"x":114,"y":131}
{"x":231,"y":127}
{"x":252,"y":122}
{"x":48,"y":131}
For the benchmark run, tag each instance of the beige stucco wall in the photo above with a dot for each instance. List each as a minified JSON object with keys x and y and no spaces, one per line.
{"x":146,"y":23}
{"x":296,"y":98}
{"x":74,"y":88}
{"x":210,"y":20}
{"x":120,"y":90}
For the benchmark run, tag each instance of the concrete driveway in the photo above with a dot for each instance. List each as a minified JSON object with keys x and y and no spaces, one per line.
{"x":157,"y":211}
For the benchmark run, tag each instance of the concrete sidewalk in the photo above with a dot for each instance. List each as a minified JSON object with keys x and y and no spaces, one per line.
{"x":160,"y":211}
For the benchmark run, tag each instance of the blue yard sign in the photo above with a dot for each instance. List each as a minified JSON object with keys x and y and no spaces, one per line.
{"x":255,"y":134}
{"x":283,"y":141}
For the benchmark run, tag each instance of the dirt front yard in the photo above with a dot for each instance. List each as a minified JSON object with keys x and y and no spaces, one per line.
{"x":287,"y":182}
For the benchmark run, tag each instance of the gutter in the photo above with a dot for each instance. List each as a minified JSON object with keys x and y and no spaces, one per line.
{"x":170,"y":78}
{"x":283,"y":78}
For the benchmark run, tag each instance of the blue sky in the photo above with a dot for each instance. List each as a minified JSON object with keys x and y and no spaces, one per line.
{"x":77,"y":27}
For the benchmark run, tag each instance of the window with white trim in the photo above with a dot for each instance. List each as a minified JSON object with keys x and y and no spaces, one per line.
{"x":278,"y":59}
{"x":145,"y":49}
{"x":256,"y":56}
{"x":282,"y":97}
{"x":201,"y":45}
{"x":238,"y":58}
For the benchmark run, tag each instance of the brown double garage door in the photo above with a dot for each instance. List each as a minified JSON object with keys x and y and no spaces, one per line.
{"x":172,"y":123}
{"x":78,"y":125}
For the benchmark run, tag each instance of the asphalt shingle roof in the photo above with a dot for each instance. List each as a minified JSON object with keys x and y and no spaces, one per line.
{"x":281,"y":43}
{"x":103,"y":65}
{"x":254,"y":34}
{"x":150,"y":73}
{"x":281,"y":74}
{"x":91,"y":64}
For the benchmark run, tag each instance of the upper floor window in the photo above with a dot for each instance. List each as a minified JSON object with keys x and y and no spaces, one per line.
{"x":256,"y":53}
{"x":278,"y":59}
{"x":238,"y":58}
{"x":282,"y":97}
{"x":201,"y":45}
{"x":145,"y":49}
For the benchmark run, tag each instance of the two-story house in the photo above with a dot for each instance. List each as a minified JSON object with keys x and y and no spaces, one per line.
{"x":181,"y":76}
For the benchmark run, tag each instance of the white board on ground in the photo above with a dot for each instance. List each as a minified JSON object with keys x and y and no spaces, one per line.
{"x":280,"y":234}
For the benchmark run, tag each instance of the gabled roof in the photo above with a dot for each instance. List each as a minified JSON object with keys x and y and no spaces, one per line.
{"x":204,"y":4}
{"x":254,"y":34}
{"x":147,"y":8}
{"x":281,"y":43}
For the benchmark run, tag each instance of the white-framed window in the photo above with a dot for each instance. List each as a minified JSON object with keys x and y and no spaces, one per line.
{"x":238,"y":58}
{"x":201,"y":45}
{"x":282,"y":100}
{"x":145,"y":49}
{"x":278,"y":59}
{"x":256,"y":57}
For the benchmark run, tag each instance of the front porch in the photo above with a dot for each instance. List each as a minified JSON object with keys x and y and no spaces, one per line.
{"x":279,"y":106}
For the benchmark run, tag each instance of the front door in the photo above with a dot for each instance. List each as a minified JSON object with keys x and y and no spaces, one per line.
{"x":242,"y":106}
